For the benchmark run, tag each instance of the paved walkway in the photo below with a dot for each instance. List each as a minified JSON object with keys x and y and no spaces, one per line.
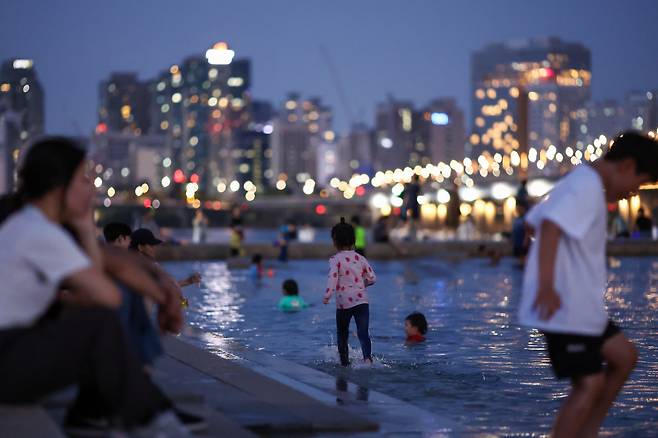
{"x":245,"y":393}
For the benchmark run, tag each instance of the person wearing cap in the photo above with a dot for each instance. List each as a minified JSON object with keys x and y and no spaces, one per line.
{"x":132,"y":311}
{"x":143,"y":241}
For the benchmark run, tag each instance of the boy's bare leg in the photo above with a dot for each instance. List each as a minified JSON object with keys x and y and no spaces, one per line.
{"x":578,"y":406}
{"x":621,"y":357}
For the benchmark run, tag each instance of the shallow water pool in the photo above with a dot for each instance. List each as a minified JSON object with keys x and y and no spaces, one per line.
{"x":478,"y":366}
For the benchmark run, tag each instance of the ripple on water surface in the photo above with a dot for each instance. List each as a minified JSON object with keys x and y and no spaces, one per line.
{"x":477,"y":367}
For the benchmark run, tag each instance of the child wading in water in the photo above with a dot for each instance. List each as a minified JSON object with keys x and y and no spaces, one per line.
{"x":565,"y":282}
{"x":349,"y":275}
{"x":415,"y":327}
{"x":291,"y":301}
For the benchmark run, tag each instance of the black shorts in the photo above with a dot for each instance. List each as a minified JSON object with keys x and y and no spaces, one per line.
{"x":577,"y":355}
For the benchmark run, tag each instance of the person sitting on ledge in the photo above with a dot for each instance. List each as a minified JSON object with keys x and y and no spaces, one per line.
{"x":143,"y":241}
{"x":134,"y":315}
{"x":50,"y":244}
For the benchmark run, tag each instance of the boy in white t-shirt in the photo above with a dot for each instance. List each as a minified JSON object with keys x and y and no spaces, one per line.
{"x":565,"y":281}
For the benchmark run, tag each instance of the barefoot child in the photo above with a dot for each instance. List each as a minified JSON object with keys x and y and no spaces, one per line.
{"x":349,"y":275}
{"x":565,"y":282}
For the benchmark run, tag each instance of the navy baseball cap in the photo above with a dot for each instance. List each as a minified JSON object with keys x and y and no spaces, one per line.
{"x":144,"y":236}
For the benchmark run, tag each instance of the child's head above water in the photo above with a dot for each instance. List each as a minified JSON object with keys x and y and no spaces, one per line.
{"x":343,"y":235}
{"x":290,"y":287}
{"x":415,"y":325}
{"x":256,"y":259}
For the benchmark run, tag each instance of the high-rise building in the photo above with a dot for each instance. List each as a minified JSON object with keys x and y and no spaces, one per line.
{"x":254,"y":160}
{"x":10,"y":142}
{"x":202,"y":106}
{"x":301,"y":126}
{"x":441,"y":132}
{"x":605,"y":118}
{"x":641,"y":110}
{"x":355,"y":152}
{"x":394,"y":137}
{"x":21,"y":113}
{"x":529,"y":95}
{"x":124,"y":103}
{"x":123,"y":160}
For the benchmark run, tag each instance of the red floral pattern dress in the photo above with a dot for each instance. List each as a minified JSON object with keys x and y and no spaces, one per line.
{"x":349,"y":275}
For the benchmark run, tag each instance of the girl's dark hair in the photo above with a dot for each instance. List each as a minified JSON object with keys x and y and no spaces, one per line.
{"x":290,"y":287}
{"x":256,"y":258}
{"x":417,"y":320}
{"x":49,"y":163}
{"x":343,"y":234}
{"x":641,"y":148}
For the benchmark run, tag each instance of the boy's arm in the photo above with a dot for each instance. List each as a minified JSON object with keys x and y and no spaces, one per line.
{"x":547,"y":301}
{"x":332,"y":281}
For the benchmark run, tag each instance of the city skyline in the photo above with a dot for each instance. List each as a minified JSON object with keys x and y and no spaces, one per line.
{"x":287,"y":58}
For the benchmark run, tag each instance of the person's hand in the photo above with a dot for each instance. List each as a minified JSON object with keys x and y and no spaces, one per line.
{"x":547,"y":303}
{"x":325,"y":300}
{"x":195,"y":278}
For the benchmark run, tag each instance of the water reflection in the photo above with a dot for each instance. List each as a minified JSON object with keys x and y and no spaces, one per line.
{"x":477,"y":367}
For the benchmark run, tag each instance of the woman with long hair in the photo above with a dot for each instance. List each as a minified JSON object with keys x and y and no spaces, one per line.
{"x":43,"y":351}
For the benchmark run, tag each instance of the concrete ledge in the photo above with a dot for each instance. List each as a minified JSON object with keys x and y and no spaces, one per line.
{"x":383,"y":251}
{"x":292,"y":410}
{"x":27,"y":422}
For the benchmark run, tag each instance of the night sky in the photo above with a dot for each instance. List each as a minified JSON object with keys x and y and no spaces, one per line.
{"x":413,"y":49}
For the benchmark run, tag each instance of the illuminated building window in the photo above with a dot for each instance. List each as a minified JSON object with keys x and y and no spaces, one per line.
{"x":212,"y":73}
{"x":164,"y":125}
{"x":291,"y":105}
{"x":164,"y":108}
{"x":475,"y":139}
{"x":125,"y":112}
{"x":405,"y":114}
{"x":479,"y":122}
{"x":533,"y":95}
{"x":479,"y":93}
{"x":5,"y":88}
{"x":491,"y":93}
{"x":235,"y":82}
{"x":514,"y":92}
